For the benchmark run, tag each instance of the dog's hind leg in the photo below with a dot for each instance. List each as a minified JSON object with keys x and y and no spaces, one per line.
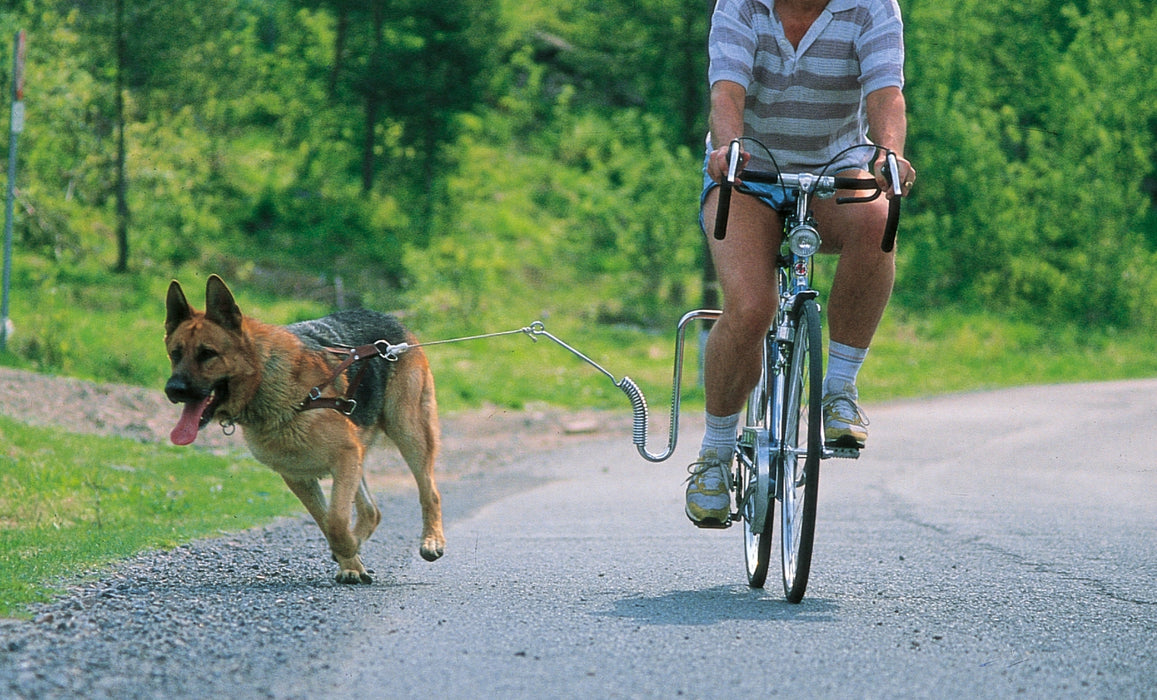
{"x":411,"y":421}
{"x":419,"y":455}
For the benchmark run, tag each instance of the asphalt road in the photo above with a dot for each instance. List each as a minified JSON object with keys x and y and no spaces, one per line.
{"x":985,"y":546}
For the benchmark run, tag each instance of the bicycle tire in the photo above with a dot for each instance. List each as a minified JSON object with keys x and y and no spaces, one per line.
{"x":798,"y":484}
{"x":755,"y":492}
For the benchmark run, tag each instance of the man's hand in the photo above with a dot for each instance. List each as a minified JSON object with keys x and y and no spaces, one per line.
{"x":907,"y":174}
{"x":726,"y":122}
{"x":717,"y":163}
{"x":888,"y":127}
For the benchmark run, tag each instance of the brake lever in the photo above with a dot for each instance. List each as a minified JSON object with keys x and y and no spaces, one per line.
{"x":892,"y":170}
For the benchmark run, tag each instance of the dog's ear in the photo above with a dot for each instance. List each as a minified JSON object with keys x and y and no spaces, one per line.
{"x":219,"y":305}
{"x":177,"y":309}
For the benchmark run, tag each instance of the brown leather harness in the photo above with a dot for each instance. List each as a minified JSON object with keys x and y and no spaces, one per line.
{"x":347,"y":404}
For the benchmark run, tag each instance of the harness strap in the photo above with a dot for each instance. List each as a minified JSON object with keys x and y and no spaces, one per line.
{"x":342,"y":404}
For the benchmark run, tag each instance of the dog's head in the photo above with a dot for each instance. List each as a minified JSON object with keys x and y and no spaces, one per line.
{"x":211,"y":357}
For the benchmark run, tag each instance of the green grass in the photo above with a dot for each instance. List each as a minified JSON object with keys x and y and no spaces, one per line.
{"x":917,"y":355}
{"x":93,"y":325}
{"x":69,"y":503}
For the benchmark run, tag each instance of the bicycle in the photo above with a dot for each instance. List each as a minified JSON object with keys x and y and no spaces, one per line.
{"x":772,"y":463}
{"x":781,"y":445}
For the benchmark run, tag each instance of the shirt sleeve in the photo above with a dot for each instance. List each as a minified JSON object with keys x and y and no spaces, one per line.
{"x":731,"y":43}
{"x":881,"y":48}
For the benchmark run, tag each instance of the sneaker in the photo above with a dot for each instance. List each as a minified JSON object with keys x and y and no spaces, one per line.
{"x":709,"y":491}
{"x":845,"y":425}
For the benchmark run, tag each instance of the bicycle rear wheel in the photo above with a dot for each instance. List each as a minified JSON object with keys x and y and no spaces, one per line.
{"x":754,"y":482}
{"x":799,"y":457}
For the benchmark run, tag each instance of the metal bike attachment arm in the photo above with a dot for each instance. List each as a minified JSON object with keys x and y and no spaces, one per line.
{"x":628,"y":386}
{"x":537,"y":329}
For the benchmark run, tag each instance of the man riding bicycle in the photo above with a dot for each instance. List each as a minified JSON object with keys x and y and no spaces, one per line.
{"x":806,"y":78}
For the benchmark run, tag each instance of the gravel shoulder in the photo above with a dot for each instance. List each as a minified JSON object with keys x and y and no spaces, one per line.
{"x":231,"y":615}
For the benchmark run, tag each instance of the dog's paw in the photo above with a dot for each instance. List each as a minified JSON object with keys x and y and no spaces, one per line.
{"x":432,"y":550}
{"x":349,"y":576}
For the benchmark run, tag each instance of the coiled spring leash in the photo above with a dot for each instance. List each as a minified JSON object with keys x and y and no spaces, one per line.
{"x":537,"y":329}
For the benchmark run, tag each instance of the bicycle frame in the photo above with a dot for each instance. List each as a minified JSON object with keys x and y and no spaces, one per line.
{"x":795,"y":287}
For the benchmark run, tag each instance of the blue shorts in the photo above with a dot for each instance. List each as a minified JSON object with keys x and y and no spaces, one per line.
{"x":774,"y":196}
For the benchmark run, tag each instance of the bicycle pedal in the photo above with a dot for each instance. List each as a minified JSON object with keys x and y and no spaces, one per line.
{"x":841,"y":452}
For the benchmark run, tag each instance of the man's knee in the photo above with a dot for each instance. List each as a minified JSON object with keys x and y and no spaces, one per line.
{"x":750,"y":316}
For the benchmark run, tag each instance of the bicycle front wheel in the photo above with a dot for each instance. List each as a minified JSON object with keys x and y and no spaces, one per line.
{"x":754,"y":481}
{"x":799,"y":456}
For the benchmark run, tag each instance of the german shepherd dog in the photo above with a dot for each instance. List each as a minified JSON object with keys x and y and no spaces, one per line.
{"x":258,"y":376}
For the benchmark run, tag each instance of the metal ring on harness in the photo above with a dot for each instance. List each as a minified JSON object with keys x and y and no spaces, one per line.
{"x":390,"y":352}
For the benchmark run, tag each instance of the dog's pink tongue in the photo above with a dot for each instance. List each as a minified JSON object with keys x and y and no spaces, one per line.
{"x":186,"y":429}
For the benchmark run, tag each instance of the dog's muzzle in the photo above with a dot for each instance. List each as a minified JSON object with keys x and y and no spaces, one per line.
{"x":179,"y":390}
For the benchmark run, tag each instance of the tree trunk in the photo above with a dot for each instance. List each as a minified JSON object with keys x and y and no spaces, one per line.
{"x":373,"y":104}
{"x":343,"y":23}
{"x":122,"y":205}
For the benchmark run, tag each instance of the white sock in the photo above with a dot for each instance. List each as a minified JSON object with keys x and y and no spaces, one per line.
{"x":720,"y":435}
{"x":844,"y":364}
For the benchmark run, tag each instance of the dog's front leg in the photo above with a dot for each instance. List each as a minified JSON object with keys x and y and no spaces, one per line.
{"x":368,"y":514}
{"x":347,"y":479}
{"x":342,"y":544}
{"x":309,"y":492}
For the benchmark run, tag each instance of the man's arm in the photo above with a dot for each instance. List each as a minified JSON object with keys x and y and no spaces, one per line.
{"x":888,"y":128}
{"x":728,"y":101}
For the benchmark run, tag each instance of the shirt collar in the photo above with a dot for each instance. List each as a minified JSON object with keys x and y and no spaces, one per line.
{"x":842,"y":5}
{"x":833,"y":5}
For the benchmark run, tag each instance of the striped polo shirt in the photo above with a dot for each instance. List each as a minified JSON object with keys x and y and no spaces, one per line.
{"x":807,"y":104}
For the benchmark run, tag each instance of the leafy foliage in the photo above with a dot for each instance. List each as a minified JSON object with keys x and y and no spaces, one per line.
{"x":470,"y":161}
{"x":1035,"y":133}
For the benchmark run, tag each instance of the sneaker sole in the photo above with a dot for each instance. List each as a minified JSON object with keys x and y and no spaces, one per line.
{"x":709,"y":523}
{"x":712,"y":524}
{"x":845,"y":442}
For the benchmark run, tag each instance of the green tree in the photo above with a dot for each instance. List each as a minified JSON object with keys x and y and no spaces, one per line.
{"x":1033,"y":132}
{"x":648,"y":55}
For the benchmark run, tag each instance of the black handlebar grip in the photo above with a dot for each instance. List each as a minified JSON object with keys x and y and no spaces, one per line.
{"x":734,"y":155}
{"x":892,"y":170}
{"x":889,"y":241}
{"x":722,"y":210}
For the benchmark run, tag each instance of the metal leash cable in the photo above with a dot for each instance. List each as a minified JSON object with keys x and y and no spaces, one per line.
{"x":391,"y":352}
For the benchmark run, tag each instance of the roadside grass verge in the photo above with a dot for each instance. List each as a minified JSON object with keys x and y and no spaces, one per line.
{"x":931,"y":354}
{"x":69,"y":503}
{"x":91,"y":325}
